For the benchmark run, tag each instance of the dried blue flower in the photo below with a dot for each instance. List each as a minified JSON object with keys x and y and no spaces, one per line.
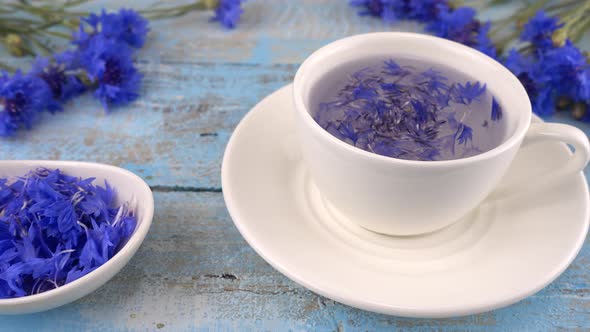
{"x":464,"y":134}
{"x":465,"y":94}
{"x":539,"y":28}
{"x":364,"y":92}
{"x":496,"y":114}
{"x":110,"y":66}
{"x":22,"y":98}
{"x":403,"y":112}
{"x":54,"y":229}
{"x":392,"y":68}
{"x":228,"y":13}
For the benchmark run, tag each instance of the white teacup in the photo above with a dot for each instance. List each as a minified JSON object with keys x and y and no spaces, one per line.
{"x":406,"y":197}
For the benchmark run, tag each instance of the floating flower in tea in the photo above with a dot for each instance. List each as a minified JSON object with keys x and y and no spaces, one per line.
{"x":403,"y":112}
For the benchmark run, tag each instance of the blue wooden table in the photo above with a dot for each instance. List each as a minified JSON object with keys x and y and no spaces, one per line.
{"x":194,"y":271}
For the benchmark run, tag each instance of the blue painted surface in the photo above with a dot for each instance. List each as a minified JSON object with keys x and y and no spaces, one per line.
{"x":201,"y":79}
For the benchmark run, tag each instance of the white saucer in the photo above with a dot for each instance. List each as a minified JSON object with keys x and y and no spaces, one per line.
{"x":503,"y":252}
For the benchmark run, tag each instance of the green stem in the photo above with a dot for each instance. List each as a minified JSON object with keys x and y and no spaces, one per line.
{"x":7,"y":67}
{"x":74,"y":3}
{"x":48,"y":25}
{"x":577,"y":31}
{"x":191,"y":6}
{"x":57,"y":34}
{"x":503,"y":43}
{"x":561,"y":5}
{"x":575,"y":18}
{"x":44,"y":48}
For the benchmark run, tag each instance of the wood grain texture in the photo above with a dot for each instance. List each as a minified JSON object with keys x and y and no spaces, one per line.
{"x":194,"y":270}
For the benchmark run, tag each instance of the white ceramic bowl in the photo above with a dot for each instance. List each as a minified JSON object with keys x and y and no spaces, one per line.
{"x":129,"y":187}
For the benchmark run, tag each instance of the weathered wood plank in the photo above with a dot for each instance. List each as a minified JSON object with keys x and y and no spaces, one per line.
{"x":195,"y":272}
{"x":200,"y":81}
{"x":174,"y":135}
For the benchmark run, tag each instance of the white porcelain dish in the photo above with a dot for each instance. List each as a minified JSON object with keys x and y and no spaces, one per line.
{"x":504,"y":251}
{"x":129,"y":188}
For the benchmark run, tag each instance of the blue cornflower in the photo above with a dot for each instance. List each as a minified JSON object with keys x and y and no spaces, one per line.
{"x":369,"y":7}
{"x":109,"y":65}
{"x":496,"y":110}
{"x":427,"y":10}
{"x":126,"y":26}
{"x":568,"y":71}
{"x":544,"y":102}
{"x":389,"y":10}
{"x":526,"y":70}
{"x":518,"y":63}
{"x":556,"y":71}
{"x":22,"y":98}
{"x":542,"y":99}
{"x":59,"y":75}
{"x":393,"y":10}
{"x":484,"y":43}
{"x":464,"y":134}
{"x":228,"y":13}
{"x":539,"y":28}
{"x":459,"y":25}
{"x":465,"y":94}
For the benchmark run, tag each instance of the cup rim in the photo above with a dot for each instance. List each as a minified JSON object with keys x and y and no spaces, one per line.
{"x":514,"y":139}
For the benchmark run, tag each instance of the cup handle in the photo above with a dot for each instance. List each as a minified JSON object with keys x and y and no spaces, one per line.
{"x":546,"y":132}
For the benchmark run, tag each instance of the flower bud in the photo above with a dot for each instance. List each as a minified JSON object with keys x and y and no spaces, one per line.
{"x":84,"y":78}
{"x":564,"y":103}
{"x":579,"y":111}
{"x":73,"y":22}
{"x":210,"y":4}
{"x":559,"y":37}
{"x":14,"y":44}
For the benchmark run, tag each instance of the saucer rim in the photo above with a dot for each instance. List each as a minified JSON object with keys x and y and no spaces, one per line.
{"x":383,"y":308}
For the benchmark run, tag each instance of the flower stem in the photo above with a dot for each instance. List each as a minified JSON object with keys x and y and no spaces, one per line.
{"x":46,"y":49}
{"x":57,"y":34}
{"x":7,"y":67}
{"x":575,"y":19}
